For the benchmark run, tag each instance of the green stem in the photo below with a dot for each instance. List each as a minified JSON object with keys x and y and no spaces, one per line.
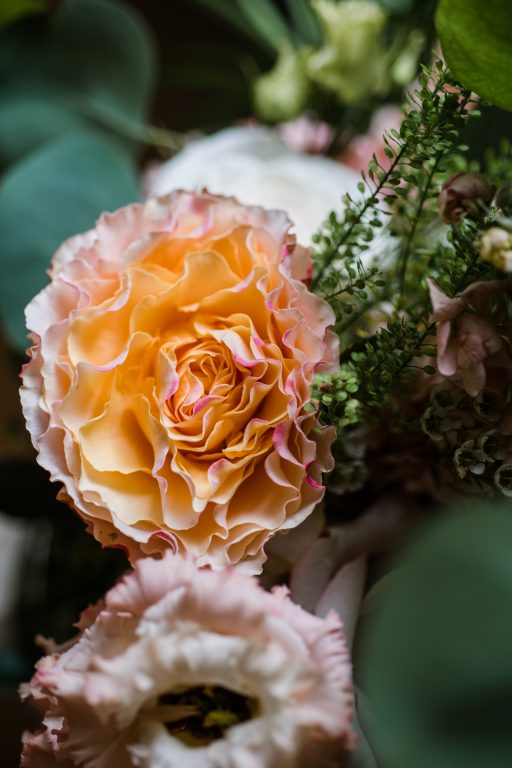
{"x":345,"y":236}
{"x":121,"y":124}
{"x":404,"y":258}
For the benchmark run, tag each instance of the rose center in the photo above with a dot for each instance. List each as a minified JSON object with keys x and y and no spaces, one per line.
{"x":205,"y":374}
{"x":197,"y":716}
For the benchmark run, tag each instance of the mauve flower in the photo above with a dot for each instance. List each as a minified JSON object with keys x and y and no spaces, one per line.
{"x":197,"y":669}
{"x":170,"y":378}
{"x":467,"y":342}
{"x":462,"y":195}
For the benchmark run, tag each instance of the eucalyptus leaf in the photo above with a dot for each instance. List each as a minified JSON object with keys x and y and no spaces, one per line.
{"x":305,"y":21}
{"x":94,"y":64}
{"x":29,"y":120}
{"x":476,"y":38}
{"x":229,"y":12}
{"x":57,"y":191}
{"x":434,"y":657}
{"x":266,"y":19}
{"x":105,"y":51}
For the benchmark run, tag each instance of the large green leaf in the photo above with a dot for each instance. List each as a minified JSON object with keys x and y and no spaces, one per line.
{"x":104,"y":50}
{"x":266,"y":19}
{"x":28,"y":120}
{"x":434,"y":654}
{"x":57,"y":191}
{"x":397,"y":6}
{"x":228,"y":11}
{"x":94,"y":63}
{"x":476,"y":38}
{"x":305,"y":21}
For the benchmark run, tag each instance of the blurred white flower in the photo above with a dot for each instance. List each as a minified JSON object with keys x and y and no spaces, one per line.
{"x":254,"y":165}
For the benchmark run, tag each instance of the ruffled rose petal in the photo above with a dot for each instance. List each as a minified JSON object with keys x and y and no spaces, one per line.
{"x":174,"y":352}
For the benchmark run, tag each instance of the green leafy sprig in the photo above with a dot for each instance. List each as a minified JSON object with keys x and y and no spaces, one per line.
{"x":428,"y":135}
{"x":421,"y":154}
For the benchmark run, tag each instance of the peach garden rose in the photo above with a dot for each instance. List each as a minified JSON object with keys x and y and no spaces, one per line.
{"x":168,"y":387}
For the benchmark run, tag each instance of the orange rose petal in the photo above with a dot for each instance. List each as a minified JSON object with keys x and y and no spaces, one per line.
{"x":173,"y":361}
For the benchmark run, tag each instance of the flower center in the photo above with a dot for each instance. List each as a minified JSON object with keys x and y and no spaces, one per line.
{"x":197,"y":716}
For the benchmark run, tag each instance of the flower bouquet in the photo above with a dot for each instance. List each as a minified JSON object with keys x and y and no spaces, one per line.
{"x":264,"y":378}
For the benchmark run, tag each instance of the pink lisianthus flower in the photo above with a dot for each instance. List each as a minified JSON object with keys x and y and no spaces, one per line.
{"x":468,"y":344}
{"x":142,"y":684}
{"x":170,"y":377}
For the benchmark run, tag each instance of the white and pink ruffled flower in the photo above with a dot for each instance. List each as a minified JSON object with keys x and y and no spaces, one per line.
{"x":120,"y":694}
{"x":170,"y":376}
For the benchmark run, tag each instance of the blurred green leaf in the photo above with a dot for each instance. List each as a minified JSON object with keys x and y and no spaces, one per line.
{"x":27,"y":121}
{"x":397,"y":6}
{"x":266,"y":19}
{"x":105,"y":51}
{"x":228,"y":11}
{"x":476,"y":38}
{"x":57,"y":191}
{"x":434,"y":659}
{"x":305,"y":21}
{"x":13,"y":10}
{"x":95,"y":63}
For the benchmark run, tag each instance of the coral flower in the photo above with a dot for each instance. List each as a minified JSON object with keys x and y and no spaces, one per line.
{"x":197,"y":669}
{"x":170,"y":377}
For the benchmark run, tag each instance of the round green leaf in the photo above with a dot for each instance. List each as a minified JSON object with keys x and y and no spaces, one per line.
{"x":105,"y":51}
{"x":29,"y":120}
{"x":93,"y":65}
{"x":57,"y":191}
{"x":434,"y":657}
{"x":476,"y":38}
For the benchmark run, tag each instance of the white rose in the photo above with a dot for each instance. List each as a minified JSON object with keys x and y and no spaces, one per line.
{"x":255,"y":166}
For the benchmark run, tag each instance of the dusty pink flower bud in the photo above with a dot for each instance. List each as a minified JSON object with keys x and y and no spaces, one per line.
{"x":460,"y":196}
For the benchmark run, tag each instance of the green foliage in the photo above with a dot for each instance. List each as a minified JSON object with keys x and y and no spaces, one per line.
{"x":499,"y":164}
{"x":93,"y":65}
{"x":305,"y":21}
{"x":429,"y":134}
{"x":397,"y":6}
{"x":264,"y":17}
{"x":476,"y":38}
{"x":349,"y":279}
{"x":369,"y":375}
{"x":434,"y":648}
{"x":56,"y":192}
{"x":259,"y":20}
{"x":456,"y":265}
